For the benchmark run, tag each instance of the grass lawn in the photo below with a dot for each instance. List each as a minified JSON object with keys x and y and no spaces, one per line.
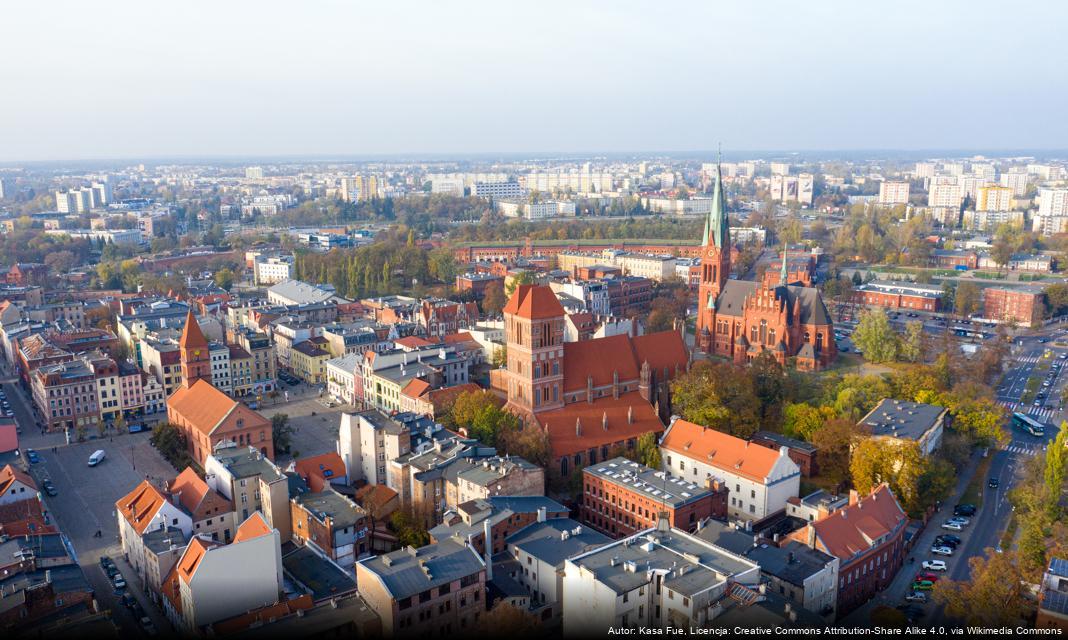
{"x":973,"y":492}
{"x":1010,"y":532}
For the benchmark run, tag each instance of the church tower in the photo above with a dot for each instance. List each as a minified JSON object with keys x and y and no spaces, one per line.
{"x":534,"y":336}
{"x":196,"y":360}
{"x":715,"y":264}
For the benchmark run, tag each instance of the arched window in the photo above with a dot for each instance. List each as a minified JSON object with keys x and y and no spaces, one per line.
{"x":764,"y":331}
{"x":771,"y":336}
{"x":819,"y":340}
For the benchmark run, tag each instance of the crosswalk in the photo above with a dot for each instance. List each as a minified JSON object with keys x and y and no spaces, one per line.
{"x":1041,"y":414}
{"x":1024,"y":450}
{"x":1028,"y":360}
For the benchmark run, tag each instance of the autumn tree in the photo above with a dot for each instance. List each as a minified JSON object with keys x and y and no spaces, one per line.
{"x":493,"y":299}
{"x":901,"y":465}
{"x":647,"y":451}
{"x":966,"y":300}
{"x":835,"y":440}
{"x":912,"y":345}
{"x":528,"y":442}
{"x":995,"y":595}
{"x":481,"y":414}
{"x":719,"y":396}
{"x":802,"y":420}
{"x":875,"y":337}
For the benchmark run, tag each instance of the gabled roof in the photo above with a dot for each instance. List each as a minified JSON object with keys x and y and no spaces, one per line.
{"x":196,"y":497}
{"x":731,"y":301}
{"x":254,"y":527}
{"x":534,"y":302}
{"x":191,"y":558}
{"x":192,"y":336}
{"x":205,"y":407}
{"x":415,"y":388}
{"x":855,"y":528}
{"x":9,"y":475}
{"x":720,"y":450}
{"x":601,"y":357}
{"x":322,"y":467}
{"x":560,"y":424}
{"x":141,"y":505}
{"x":413,"y":342}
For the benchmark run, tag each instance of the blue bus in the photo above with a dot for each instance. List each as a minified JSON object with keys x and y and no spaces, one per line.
{"x":1028,"y":424}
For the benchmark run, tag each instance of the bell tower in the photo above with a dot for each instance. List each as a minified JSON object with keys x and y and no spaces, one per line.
{"x":193,"y":346}
{"x":715,"y":263}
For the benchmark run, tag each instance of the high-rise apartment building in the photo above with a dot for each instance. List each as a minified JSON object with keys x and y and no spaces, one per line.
{"x":1018,"y":181}
{"x":891,"y":193}
{"x":254,"y":173}
{"x":944,"y":193}
{"x":993,"y":198}
{"x":1053,"y":202}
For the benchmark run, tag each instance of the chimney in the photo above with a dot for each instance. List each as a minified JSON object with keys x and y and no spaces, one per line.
{"x":811,"y":539}
{"x":541,"y":514}
{"x":630,"y":414}
{"x":854,"y":497}
{"x":604,"y":421}
{"x":578,"y":427}
{"x":487,"y":548}
{"x":615,"y":385}
{"x":783,"y":451}
{"x":589,"y":389}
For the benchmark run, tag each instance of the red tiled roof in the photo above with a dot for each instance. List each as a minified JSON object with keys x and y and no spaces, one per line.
{"x":171,"y":590}
{"x":204,"y":406}
{"x":561,"y":423}
{"x":263,"y":615}
{"x":415,"y":388}
{"x":852,"y":530}
{"x":534,"y":302}
{"x":9,"y":437}
{"x":623,"y":354}
{"x":196,"y":496}
{"x":317,"y":466}
{"x":455,"y":338}
{"x":720,"y":450}
{"x":190,"y":560}
{"x":661,"y":349}
{"x":252,"y":528}
{"x":9,"y":475}
{"x":192,"y":336}
{"x":413,"y":342}
{"x":141,"y":505}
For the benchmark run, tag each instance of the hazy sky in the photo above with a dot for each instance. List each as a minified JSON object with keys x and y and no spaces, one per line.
{"x":119,"y":79}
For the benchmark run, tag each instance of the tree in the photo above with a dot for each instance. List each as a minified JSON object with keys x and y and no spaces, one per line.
{"x":835,"y":440}
{"x":523,"y":277}
{"x":1056,"y":459}
{"x":768,"y":381}
{"x":856,"y":395}
{"x":224,"y":278}
{"x":61,"y":262}
{"x":875,"y":337}
{"x":659,"y":319}
{"x":493,"y":299}
{"x":1057,"y":298}
{"x":169,"y":440}
{"x":500,"y":357}
{"x":409,"y":529}
{"x":1001,"y":252}
{"x":442,"y":265}
{"x":529,"y":442}
{"x":647,"y":451}
{"x":976,"y":413}
{"x":719,"y":396}
{"x":875,"y":461}
{"x":507,"y":620}
{"x":281,"y":431}
{"x":481,"y":415}
{"x":994,"y":598}
{"x":966,"y":299}
{"x":802,"y":421}
{"x":912,"y":346}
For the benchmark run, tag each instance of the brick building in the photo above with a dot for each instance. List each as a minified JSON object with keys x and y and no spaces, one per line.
{"x":899,"y":295}
{"x":621,"y":497}
{"x":1025,"y":306}
{"x":477,"y":283}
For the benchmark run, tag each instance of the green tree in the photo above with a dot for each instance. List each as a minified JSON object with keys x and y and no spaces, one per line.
{"x":523,"y":277}
{"x":912,"y":346}
{"x":1057,"y":298}
{"x":528,"y":442}
{"x":1056,"y":459}
{"x":835,"y":441}
{"x":224,"y":278}
{"x":802,"y":421}
{"x":481,"y":415}
{"x":875,"y":337}
{"x":647,"y":451}
{"x":875,"y":461}
{"x":719,"y":396}
{"x":966,"y":300}
{"x":976,"y":413}
{"x":169,"y":440}
{"x":409,"y":529}
{"x":442,"y":265}
{"x":281,"y":432}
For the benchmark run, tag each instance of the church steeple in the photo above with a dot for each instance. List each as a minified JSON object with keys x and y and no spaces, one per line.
{"x":784,"y":274}
{"x":717,"y":228}
{"x":194,"y":352}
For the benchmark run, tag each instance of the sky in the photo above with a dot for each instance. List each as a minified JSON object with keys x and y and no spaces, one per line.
{"x":137,"y":79}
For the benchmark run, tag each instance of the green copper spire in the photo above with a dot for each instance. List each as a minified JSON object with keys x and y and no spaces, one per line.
{"x":716,"y":223}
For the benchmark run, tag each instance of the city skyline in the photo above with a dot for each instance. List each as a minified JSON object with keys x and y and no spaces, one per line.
{"x":258,"y":80}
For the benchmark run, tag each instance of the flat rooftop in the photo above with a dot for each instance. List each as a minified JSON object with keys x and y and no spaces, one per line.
{"x":902,"y":419}
{"x":649,"y":482}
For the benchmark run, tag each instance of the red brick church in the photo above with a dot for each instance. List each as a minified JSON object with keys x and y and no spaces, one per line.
{"x":739,"y":319}
{"x":589,"y":396}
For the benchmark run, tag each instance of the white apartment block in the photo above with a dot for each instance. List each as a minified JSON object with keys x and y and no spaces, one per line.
{"x":272,"y":269}
{"x":1052,"y":202}
{"x":780,"y":168}
{"x":1018,"y":181}
{"x":451,"y":186}
{"x":497,"y":190}
{"x":924,"y":170}
{"x":368,"y":442}
{"x":692,"y":206}
{"x":220,"y":367}
{"x":891,"y":193}
{"x":993,"y":198}
{"x":760,"y":479}
{"x":341,"y":377}
{"x":749,"y":235}
{"x":575,"y":181}
{"x":535,"y":211}
{"x":941,"y":194}
{"x":1050,"y":225}
{"x":787,"y":188}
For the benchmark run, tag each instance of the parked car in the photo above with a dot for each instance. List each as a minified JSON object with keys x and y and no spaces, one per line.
{"x":942,"y":551}
{"x":964,"y":510}
{"x":922,"y":585}
{"x":916,"y":596}
{"x":146,"y":624}
{"x":934,"y":565}
{"x":962,"y":521}
{"x":950,"y":538}
{"x":993,"y":484}
{"x":32,"y":456}
{"x":105,"y":561}
{"x":927,"y":575}
{"x":51,"y":491}
{"x":128,"y":600}
{"x":952,"y":526}
{"x":119,"y":582}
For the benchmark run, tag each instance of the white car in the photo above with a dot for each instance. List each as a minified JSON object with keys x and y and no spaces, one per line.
{"x":942,"y":551}
{"x":962,"y":521}
{"x":952,"y":526}
{"x":934,"y":565}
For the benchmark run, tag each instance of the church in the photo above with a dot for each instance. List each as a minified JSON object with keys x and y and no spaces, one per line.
{"x":590,"y":396}
{"x":208,"y":418}
{"x":739,"y":319}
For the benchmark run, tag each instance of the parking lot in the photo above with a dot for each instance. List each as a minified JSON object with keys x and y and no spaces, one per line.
{"x":312,"y":434}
